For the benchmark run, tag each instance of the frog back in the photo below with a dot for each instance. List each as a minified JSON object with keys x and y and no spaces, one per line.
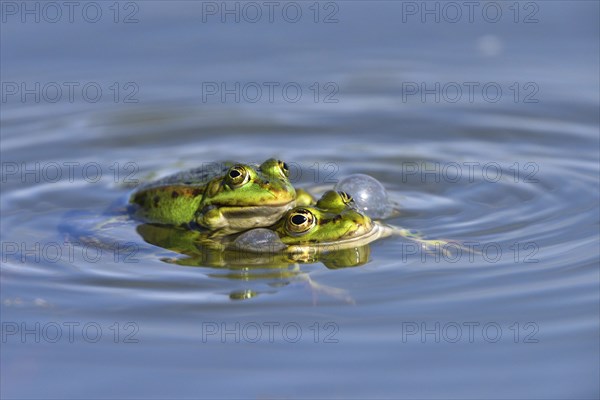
{"x":175,"y":199}
{"x":195,"y":177}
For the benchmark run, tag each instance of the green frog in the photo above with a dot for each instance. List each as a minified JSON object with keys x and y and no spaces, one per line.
{"x":333,"y":223}
{"x":229,"y":198}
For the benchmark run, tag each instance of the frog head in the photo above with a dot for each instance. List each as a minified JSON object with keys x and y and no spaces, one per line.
{"x":333,"y":220}
{"x":335,"y":201}
{"x":246,"y":197}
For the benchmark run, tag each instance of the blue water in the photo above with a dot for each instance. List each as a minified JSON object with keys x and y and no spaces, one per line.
{"x":512,"y":173}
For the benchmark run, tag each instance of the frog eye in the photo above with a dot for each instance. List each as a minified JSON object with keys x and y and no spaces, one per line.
{"x":300,"y":221}
{"x":346,"y":198}
{"x":237,"y":176}
{"x":284,"y":167}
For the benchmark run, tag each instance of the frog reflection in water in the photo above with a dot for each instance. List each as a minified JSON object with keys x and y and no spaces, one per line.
{"x":278,"y":268}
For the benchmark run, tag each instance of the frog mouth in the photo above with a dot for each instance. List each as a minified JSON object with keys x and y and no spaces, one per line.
{"x":367,"y":234}
{"x":249,"y":212}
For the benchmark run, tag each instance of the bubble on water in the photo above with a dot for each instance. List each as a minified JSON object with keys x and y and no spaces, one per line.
{"x":259,"y":240}
{"x":368,"y":193}
{"x":490,"y":45}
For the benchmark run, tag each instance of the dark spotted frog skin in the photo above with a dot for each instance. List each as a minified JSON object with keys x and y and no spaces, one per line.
{"x":229,"y":198}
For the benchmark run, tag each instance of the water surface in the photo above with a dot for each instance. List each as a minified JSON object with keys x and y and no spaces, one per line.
{"x":516,"y":178}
